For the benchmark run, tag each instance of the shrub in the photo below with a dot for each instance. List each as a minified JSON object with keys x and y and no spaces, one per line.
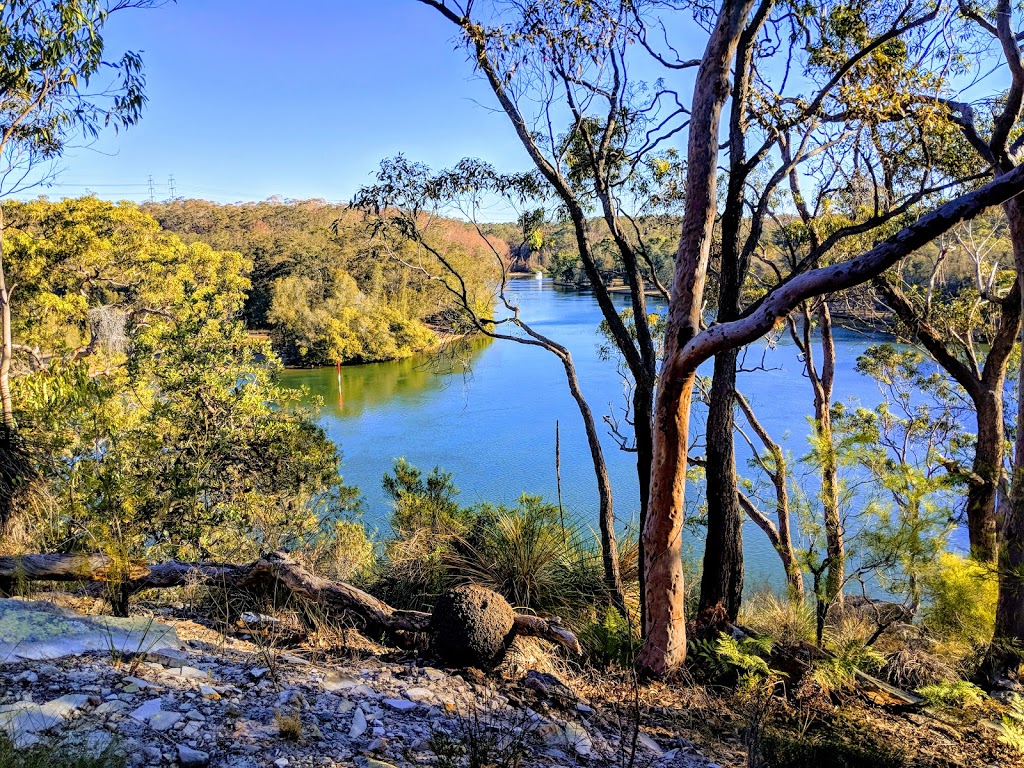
{"x":1013,"y":725}
{"x":960,"y":599}
{"x":728,"y":656}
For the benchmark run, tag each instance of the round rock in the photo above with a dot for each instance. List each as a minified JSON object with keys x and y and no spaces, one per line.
{"x":470,"y":625}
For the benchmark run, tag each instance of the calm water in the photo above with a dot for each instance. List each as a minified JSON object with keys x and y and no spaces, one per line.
{"x":488,"y":413}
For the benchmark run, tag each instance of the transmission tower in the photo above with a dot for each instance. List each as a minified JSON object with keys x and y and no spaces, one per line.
{"x":170,"y":186}
{"x":152,"y":191}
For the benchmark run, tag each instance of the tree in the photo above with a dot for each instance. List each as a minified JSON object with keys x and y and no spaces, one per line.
{"x":687,"y":345}
{"x":403,"y":203}
{"x":52,"y":51}
{"x":558,"y":60}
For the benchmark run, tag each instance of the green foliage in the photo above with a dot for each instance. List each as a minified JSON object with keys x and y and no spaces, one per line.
{"x":420,"y":502}
{"x":314,"y":326}
{"x":960,"y":599}
{"x":780,"y":749}
{"x":328,"y":288}
{"x":1012,"y":734}
{"x":727,"y":656}
{"x":609,"y":640}
{"x":167,"y":436}
{"x":850,"y":654}
{"x":523,"y":553}
{"x":786,"y":622}
{"x":956,"y":693}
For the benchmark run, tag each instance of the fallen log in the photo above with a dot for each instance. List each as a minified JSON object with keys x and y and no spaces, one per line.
{"x":277,"y":570}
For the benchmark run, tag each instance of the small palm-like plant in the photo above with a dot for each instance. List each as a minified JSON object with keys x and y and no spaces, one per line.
{"x":526,"y":554}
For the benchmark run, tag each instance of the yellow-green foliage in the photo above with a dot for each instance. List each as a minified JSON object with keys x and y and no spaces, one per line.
{"x":960,"y":599}
{"x":1013,"y":725}
{"x":958,"y":693}
{"x":785,"y":621}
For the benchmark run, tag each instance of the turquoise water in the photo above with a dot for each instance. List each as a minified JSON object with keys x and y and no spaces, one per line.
{"x":487,"y":414}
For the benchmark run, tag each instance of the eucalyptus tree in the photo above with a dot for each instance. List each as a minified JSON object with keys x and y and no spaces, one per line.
{"x":562,"y":62}
{"x":404,"y":204}
{"x":687,"y":343}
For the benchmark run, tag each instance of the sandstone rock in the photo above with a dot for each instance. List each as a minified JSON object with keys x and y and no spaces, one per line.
{"x":470,"y":625}
{"x":163,"y":720}
{"x":147,"y":709}
{"x":37,"y":630}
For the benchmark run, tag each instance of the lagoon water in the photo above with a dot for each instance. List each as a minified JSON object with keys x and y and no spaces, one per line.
{"x":487,"y":414}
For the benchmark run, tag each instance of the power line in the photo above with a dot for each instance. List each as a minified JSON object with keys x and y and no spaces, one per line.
{"x":170,"y":187}
{"x":152,"y":193}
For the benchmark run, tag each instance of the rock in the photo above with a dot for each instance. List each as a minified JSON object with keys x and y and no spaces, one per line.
{"x":163,"y":720}
{"x":359,"y":725}
{"x":147,"y":709}
{"x":648,"y":743}
{"x":208,"y":692}
{"x":570,"y":735}
{"x":333,"y":681}
{"x":281,"y":762}
{"x":258,"y":673}
{"x":66,"y":705}
{"x":22,"y":720}
{"x":37,"y":630}
{"x":400,"y":705}
{"x":420,"y":694}
{"x":470,"y":625}
{"x":192,"y":758}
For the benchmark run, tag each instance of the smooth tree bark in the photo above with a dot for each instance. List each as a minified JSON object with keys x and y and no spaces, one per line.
{"x":664,"y":649}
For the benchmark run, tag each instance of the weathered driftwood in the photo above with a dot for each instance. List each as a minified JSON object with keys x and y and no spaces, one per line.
{"x":334,"y":599}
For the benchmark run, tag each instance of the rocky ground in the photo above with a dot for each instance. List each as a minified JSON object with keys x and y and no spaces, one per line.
{"x":173,"y":692}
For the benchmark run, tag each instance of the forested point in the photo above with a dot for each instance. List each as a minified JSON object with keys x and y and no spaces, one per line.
{"x":735,"y":190}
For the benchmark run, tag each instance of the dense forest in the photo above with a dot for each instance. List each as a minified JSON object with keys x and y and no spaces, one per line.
{"x":818,"y":165}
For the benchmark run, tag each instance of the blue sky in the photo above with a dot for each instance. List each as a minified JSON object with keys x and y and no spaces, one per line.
{"x":253,"y":98}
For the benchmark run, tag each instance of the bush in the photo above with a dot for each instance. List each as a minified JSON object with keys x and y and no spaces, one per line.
{"x":960,"y":599}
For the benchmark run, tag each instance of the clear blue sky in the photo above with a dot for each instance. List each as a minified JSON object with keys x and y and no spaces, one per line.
{"x":253,"y":98}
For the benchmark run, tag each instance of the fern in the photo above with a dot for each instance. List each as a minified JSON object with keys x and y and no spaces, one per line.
{"x":729,"y":655}
{"x":959,"y":693}
{"x":1013,"y":725}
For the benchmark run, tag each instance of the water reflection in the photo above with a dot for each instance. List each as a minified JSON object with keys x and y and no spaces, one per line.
{"x":349,"y":390}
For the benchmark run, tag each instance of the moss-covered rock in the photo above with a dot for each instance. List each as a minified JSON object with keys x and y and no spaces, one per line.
{"x":470,"y":626}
